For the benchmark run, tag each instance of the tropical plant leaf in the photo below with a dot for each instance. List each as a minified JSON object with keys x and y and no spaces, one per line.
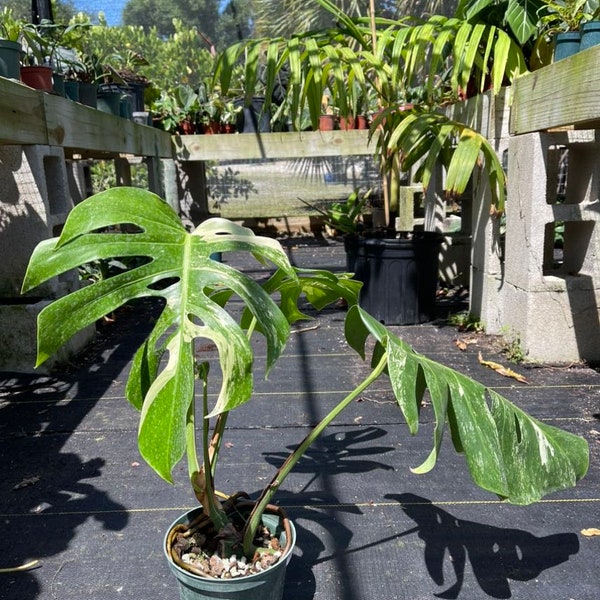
{"x":180,"y":269}
{"x":507,"y":451}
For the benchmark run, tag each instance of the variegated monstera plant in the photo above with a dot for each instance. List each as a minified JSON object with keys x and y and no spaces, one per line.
{"x":507,"y":452}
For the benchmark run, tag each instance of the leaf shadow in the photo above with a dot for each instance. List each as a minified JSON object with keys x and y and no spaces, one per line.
{"x":496,"y":554}
{"x":339,"y":453}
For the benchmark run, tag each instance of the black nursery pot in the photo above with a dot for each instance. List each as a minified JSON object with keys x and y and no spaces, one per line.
{"x":399,"y":277}
{"x":253,"y":118}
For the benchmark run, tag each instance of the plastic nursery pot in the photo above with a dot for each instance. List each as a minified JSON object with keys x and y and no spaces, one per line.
{"x":590,"y":35}
{"x":399,"y":277}
{"x":253,"y":118}
{"x":566,"y":44}
{"x":266,"y":585}
{"x":58,"y":84}
{"x":39,"y":78}
{"x":347,"y":123}
{"x":362,"y":122}
{"x":326,"y":123}
{"x":88,"y":94}
{"x":10,"y":59}
{"x":109,"y":102}
{"x":72,"y":90}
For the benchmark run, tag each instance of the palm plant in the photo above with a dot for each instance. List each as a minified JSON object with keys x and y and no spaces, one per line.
{"x":436,"y":61}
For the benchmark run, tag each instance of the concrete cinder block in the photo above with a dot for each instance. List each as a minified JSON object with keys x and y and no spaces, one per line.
{"x":487,"y":300}
{"x":557,"y":325}
{"x":18,"y":323}
{"x":34,"y":207}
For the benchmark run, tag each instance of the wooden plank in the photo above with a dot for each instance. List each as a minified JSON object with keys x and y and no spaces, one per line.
{"x":248,"y":146}
{"x":80,"y":128}
{"x":21,"y":114}
{"x":562,"y":94}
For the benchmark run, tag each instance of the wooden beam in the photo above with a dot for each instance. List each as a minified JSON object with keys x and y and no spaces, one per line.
{"x":29,"y":116}
{"x":78,"y":127}
{"x":248,"y":146}
{"x":21,"y":114}
{"x":559,"y":95}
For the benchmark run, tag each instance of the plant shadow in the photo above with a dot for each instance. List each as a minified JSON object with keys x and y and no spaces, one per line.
{"x":497,"y":555}
{"x":339,"y":453}
{"x":49,"y":490}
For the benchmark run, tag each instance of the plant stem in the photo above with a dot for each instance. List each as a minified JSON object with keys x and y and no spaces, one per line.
{"x":203,"y":477}
{"x":255,"y":517}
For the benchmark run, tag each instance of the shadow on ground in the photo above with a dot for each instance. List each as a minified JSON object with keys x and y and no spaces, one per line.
{"x":497,"y":555}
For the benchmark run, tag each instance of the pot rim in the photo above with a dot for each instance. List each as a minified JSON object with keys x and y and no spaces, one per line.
{"x":282,"y":562}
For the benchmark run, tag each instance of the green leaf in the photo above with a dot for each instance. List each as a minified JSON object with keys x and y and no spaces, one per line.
{"x":507,"y":452}
{"x":179,"y":269}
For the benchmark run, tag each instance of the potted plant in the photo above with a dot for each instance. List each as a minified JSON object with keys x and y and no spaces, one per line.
{"x":562,"y":19}
{"x":36,"y":70}
{"x":87,"y":68}
{"x":210,"y":110}
{"x":229,"y":116}
{"x":507,"y":452}
{"x":10,"y":46}
{"x":412,"y":70}
{"x":45,"y":58}
{"x":176,"y":110}
{"x":122,"y":72}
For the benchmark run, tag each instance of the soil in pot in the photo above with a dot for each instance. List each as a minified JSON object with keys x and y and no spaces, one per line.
{"x":191,"y":548}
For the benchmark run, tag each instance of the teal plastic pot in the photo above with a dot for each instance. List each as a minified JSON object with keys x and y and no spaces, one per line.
{"x":566,"y":44}
{"x":109,"y":102}
{"x":10,"y":59}
{"x":72,"y":90}
{"x":267,"y":585}
{"x":590,"y":35}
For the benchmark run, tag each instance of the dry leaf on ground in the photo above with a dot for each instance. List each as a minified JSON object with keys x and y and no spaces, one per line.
{"x":464,"y":343}
{"x":590,"y":532}
{"x":502,"y":370}
{"x":26,"y":482}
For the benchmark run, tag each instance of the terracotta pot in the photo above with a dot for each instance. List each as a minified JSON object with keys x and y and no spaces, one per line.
{"x":362,"y":122}
{"x":227,"y":128}
{"x":37,"y":77}
{"x":326,"y":123}
{"x":347,"y":123}
{"x":187,"y":127}
{"x":211,"y":128}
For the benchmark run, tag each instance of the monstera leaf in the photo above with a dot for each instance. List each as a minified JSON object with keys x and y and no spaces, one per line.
{"x":507,"y":451}
{"x":179,"y":268}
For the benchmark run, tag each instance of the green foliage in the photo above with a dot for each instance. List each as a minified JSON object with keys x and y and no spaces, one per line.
{"x":10,"y":24}
{"x":216,"y":29}
{"x":345,"y":216}
{"x":567,"y":15}
{"x":422,"y":138}
{"x":180,"y":59}
{"x":512,"y":347}
{"x":465,"y":321}
{"x":507,"y":452}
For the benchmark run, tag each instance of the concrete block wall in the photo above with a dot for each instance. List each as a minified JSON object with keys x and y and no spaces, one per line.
{"x":36,"y":199}
{"x":551,"y":297}
{"x":35,"y":202}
